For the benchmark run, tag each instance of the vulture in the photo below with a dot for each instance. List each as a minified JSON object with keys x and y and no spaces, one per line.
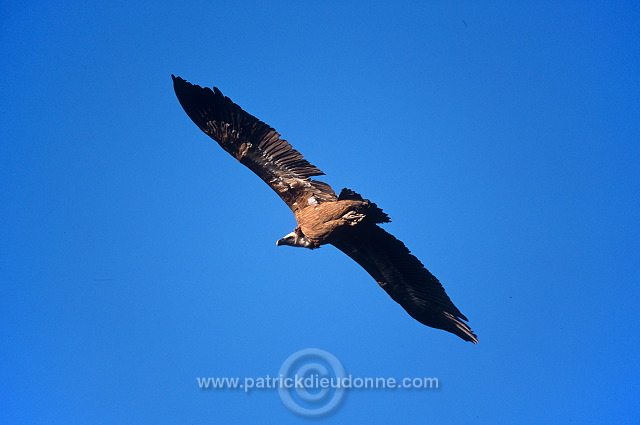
{"x":347,"y":220}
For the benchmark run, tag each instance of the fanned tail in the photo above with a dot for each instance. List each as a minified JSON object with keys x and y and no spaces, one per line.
{"x":374,"y":213}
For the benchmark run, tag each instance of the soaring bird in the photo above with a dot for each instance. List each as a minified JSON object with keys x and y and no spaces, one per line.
{"x":347,"y":221}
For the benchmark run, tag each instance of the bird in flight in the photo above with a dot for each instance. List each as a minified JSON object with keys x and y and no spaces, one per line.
{"x":347,"y":221}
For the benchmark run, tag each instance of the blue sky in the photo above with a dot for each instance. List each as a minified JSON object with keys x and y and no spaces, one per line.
{"x":137,"y":255}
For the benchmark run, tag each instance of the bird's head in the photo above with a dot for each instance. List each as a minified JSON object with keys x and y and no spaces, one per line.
{"x":296,"y":238}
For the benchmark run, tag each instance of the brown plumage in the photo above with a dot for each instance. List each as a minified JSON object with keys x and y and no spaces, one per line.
{"x":347,"y":221}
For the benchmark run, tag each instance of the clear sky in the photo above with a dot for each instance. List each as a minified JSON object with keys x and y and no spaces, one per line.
{"x":136,"y":255}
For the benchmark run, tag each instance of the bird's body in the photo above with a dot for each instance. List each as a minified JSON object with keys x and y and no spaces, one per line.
{"x":347,"y":221}
{"x":325,"y":222}
{"x":320,"y":223}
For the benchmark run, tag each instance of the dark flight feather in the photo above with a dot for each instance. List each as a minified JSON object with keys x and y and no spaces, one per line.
{"x":404,"y":278}
{"x":254,"y":144}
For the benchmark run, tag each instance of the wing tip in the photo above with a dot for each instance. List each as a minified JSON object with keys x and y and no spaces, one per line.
{"x":180,"y":84}
{"x":460,"y":328}
{"x":468,"y":335}
{"x":177,"y":80}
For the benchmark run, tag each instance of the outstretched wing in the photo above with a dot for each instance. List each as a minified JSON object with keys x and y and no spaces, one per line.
{"x":254,"y":144}
{"x":404,"y":278}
